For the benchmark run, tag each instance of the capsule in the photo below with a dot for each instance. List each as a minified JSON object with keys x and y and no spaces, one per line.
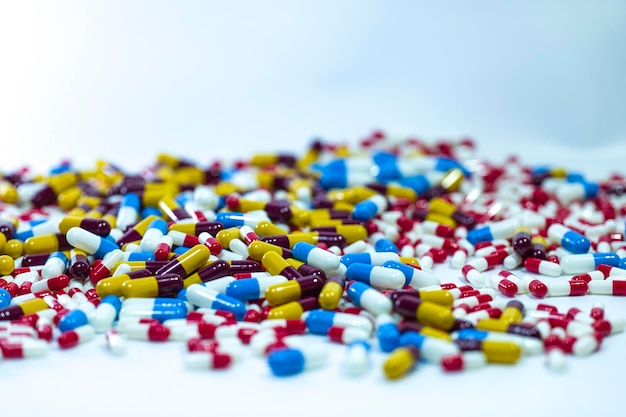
{"x":569,"y":239}
{"x":529,"y":345}
{"x":72,"y":338}
{"x":293,"y":309}
{"x":100,"y":227}
{"x":414,"y":277}
{"x":276,"y":265}
{"x":425,"y":312}
{"x":105,"y":314}
{"x":315,"y":256}
{"x":128,"y":211}
{"x":432,"y":349}
{"x":89,"y":242}
{"x":253,"y":288}
{"x":376,"y":258}
{"x":542,"y":267}
{"x":160,"y":309}
{"x":164,"y":285}
{"x":331,"y":292}
{"x":319,"y":321}
{"x":401,"y":361}
{"x":187,"y":263}
{"x":370,"y":207}
{"x":14,"y":312}
{"x":376,"y":276}
{"x":293,"y":290}
{"x":607,"y":287}
{"x":387,"y":333}
{"x":503,"y":229}
{"x":586,"y":262}
{"x":72,"y":320}
{"x":202,"y":296}
{"x":356,"y":361}
{"x":292,"y":361}
{"x":368,"y":298}
{"x":55,"y":265}
{"x":24,"y":347}
{"x":507,"y":283}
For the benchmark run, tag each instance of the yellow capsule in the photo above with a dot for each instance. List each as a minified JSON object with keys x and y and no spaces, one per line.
{"x":14,"y":248}
{"x":224,"y":188}
{"x":142,"y":225}
{"x":441,"y":219}
{"x":192,"y":279}
{"x":433,"y":332}
{"x":441,"y":206}
{"x":343,"y":205}
{"x":257,"y":249}
{"x":111,"y":219}
{"x":330,"y":296}
{"x":274,"y":263}
{"x":62,"y":181}
{"x":538,"y":239}
{"x":558,"y":173}
{"x":441,"y":297}
{"x":291,"y":310}
{"x":400,"y":362}
{"x":299,"y":217}
{"x":189,"y":175}
{"x":431,"y":314}
{"x":193,"y":259}
{"x":168,"y":160}
{"x":41,"y":244}
{"x":401,"y":192}
{"x":111,"y":285}
{"x":8,"y":192}
{"x":147,"y":287}
{"x":153,"y":192}
{"x":501,"y":351}
{"x":352,"y":232}
{"x":309,"y":237}
{"x":168,"y":207}
{"x":33,"y":306}
{"x":3,"y":241}
{"x":511,"y":314}
{"x":265,"y":180}
{"x":224,"y":236}
{"x":67,"y":199}
{"x":409,"y":261}
{"x":324,"y":222}
{"x":7,"y":264}
{"x":245,"y":205}
{"x":283,"y":292}
{"x":307,"y":159}
{"x":452,"y":180}
{"x":494,"y":325}
{"x":265,"y":228}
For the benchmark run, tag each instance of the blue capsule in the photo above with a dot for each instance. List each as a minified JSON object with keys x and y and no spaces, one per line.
{"x":159,"y":308}
{"x":568,"y":238}
{"x":202,"y":296}
{"x":150,"y":211}
{"x":5,"y":298}
{"x":159,"y":224}
{"x":369,"y":208}
{"x":377,"y":258}
{"x":252,"y":288}
{"x":236,"y":219}
{"x":414,"y":277}
{"x":72,"y":320}
{"x":292,"y":361}
{"x":388,"y":336}
{"x":376,"y":276}
{"x":385,"y":245}
{"x":318,"y":321}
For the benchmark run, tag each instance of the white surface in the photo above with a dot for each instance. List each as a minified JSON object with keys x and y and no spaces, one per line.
{"x":123,"y":80}
{"x":151,"y":380}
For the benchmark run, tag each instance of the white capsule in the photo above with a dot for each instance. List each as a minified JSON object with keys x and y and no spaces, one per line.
{"x":357,"y":359}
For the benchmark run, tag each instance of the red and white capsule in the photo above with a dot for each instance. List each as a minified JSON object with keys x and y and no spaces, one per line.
{"x":542,"y":267}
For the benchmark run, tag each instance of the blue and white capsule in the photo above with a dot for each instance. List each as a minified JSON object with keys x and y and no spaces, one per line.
{"x":376,"y":276}
{"x":293,"y":361}
{"x":414,"y":277}
{"x":318,"y":321}
{"x":369,"y":298}
{"x":152,"y":236}
{"x":5,"y":298}
{"x":376,"y":258}
{"x":55,"y":265}
{"x":387,"y":333}
{"x":587,"y":262}
{"x":72,"y":320}
{"x":106,"y":313}
{"x":128,"y":211}
{"x":431,"y":348}
{"x":159,"y":308}
{"x":252,"y":288}
{"x":568,"y":238}
{"x":90,"y":242}
{"x":318,"y":257}
{"x":503,"y":229}
{"x":238,"y":219}
{"x":370,"y":207}
{"x":202,"y":296}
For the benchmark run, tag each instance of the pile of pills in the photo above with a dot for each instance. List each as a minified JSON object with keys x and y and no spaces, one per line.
{"x":351,"y":245}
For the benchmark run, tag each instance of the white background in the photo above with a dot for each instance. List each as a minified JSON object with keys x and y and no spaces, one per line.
{"x":123,"y":80}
